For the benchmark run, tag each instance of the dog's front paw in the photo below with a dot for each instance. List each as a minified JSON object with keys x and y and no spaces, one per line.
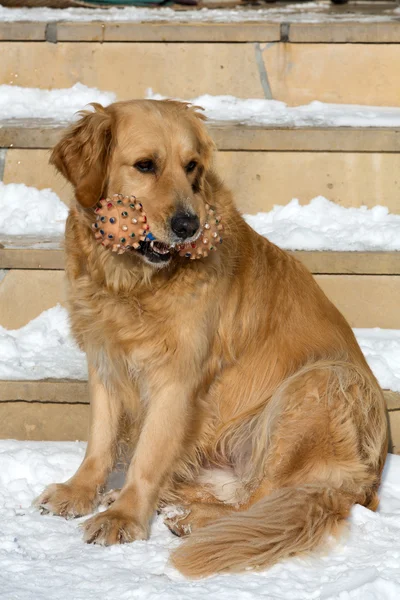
{"x":67,"y":500}
{"x":113,"y":527}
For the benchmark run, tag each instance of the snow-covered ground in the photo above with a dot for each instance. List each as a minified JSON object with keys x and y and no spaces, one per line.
{"x":253,"y":111}
{"x":319,"y":225}
{"x":309,"y":12}
{"x":63,"y":105}
{"x":44,"y":558}
{"x":58,"y":105}
{"x":44,"y":348}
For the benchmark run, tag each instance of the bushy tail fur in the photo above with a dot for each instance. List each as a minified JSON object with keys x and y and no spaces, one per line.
{"x":290,"y":521}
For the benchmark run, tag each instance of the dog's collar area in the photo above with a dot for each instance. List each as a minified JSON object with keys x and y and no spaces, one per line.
{"x":121,"y":225}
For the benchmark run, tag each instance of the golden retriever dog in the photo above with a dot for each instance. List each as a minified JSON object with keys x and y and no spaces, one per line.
{"x":247,"y":401}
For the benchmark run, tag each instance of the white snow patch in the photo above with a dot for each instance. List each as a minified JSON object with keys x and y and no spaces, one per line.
{"x":381,"y":348}
{"x":254,"y":111}
{"x":59,"y":104}
{"x":43,"y":556}
{"x":310,"y":12}
{"x":28,"y":211}
{"x":62,"y":105}
{"x":41,"y":349}
{"x":318,"y":225}
{"x":324,"y":225}
{"x":44,"y":349}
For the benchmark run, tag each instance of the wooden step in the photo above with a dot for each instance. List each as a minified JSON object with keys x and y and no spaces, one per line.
{"x":350,"y":166}
{"x":20,"y":255}
{"x":267,"y":55}
{"x":59,"y":410}
{"x":341,"y":73}
{"x":361,"y":23}
{"x":230,"y":136}
{"x":365,"y":300}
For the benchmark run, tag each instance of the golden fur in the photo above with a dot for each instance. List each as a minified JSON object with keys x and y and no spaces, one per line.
{"x":239,"y":386}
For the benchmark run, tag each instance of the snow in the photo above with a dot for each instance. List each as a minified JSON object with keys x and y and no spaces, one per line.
{"x":44,"y":349}
{"x":44,"y":558}
{"x":310,"y":12}
{"x":28,"y":211}
{"x":41,"y":349}
{"x":324,"y":225}
{"x":318,"y":225}
{"x":381,"y":348}
{"x":58,"y":104}
{"x":62,"y":105}
{"x":253,"y":111}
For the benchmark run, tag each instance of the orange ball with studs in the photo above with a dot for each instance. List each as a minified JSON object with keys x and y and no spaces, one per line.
{"x":121,"y":225}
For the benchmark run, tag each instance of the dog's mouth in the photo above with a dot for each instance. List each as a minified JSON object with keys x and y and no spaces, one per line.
{"x":154,"y":251}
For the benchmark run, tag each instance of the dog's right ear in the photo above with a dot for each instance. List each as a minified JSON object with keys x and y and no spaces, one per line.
{"x":82,"y":154}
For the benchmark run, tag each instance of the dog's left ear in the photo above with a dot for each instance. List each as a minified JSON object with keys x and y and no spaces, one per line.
{"x":82,"y":154}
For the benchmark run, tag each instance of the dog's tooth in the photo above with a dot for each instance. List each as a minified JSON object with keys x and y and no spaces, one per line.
{"x":152,"y":245}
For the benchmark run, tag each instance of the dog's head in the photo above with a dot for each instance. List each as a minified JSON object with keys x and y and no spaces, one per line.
{"x":158,"y":151}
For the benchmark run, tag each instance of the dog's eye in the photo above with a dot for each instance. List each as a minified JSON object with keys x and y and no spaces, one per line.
{"x":145,"y":166}
{"x":191,"y":166}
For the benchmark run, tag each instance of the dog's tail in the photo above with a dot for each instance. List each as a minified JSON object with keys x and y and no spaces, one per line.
{"x":290,"y":521}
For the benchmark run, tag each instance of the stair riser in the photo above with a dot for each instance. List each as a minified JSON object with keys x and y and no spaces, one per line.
{"x":260,"y":180}
{"x":365,"y":300}
{"x":339,"y":71}
{"x":53,"y":421}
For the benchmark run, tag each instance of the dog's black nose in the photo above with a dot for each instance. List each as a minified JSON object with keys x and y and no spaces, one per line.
{"x":184,"y":225}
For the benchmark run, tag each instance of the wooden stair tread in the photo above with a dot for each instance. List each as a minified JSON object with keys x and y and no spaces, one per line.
{"x":73,"y":391}
{"x":44,"y":133}
{"x":48,"y":254}
{"x":366,"y":23}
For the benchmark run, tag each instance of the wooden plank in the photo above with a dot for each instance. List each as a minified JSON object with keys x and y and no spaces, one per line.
{"x":234,"y":136}
{"x":394,"y":431}
{"x":47,"y":390}
{"x":31,"y":258}
{"x":351,"y":263}
{"x":72,"y":391}
{"x":321,"y":31}
{"x":365,"y":300}
{"x":22,"y":31}
{"x":43,"y":421}
{"x":392,"y":400}
{"x":58,"y":421}
{"x":346,"y":32}
{"x":44,"y":133}
{"x":30,"y":133}
{"x":333,"y":263}
{"x":168,"y":32}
